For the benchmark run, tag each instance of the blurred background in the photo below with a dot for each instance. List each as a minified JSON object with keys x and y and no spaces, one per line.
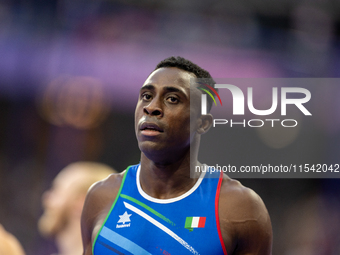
{"x":70,"y":72}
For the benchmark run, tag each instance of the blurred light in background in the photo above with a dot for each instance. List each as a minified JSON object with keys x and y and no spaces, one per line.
{"x":278,"y":137}
{"x":75,"y":101}
{"x":313,"y":26}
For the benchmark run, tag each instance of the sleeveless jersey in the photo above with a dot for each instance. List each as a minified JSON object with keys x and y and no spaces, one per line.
{"x":140,"y":224}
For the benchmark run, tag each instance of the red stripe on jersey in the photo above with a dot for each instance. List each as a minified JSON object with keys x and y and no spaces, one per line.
{"x":217,"y":214}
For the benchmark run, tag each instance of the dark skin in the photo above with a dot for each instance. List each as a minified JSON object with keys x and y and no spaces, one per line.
{"x":162,"y":124}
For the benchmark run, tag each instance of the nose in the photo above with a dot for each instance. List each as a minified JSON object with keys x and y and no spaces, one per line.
{"x":47,"y":196}
{"x":153,"y":109}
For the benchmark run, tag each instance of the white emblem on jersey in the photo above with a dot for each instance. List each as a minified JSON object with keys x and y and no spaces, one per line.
{"x":125,"y":217}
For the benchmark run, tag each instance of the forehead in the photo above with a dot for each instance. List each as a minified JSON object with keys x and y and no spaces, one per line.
{"x":170,"y":76}
{"x":67,"y":179}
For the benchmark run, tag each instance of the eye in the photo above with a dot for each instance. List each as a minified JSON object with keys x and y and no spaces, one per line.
{"x":172,"y":99}
{"x":146,"y":96}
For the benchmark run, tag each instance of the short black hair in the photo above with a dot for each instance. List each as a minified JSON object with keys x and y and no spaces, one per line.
{"x":190,"y":67}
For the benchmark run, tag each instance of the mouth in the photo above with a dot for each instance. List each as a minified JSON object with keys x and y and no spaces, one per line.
{"x":150,"y":129}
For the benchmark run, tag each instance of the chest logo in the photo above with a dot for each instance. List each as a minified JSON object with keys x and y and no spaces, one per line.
{"x":194,"y":222}
{"x":124,"y":220}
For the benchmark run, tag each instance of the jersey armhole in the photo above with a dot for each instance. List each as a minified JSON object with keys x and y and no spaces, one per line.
{"x":217,"y":214}
{"x":113,"y":205}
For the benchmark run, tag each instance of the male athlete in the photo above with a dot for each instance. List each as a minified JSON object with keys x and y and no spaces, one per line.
{"x":64,"y":201}
{"x":155,"y":207}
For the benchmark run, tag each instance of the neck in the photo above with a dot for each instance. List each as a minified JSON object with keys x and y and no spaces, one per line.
{"x":69,"y":241}
{"x":169,"y":180}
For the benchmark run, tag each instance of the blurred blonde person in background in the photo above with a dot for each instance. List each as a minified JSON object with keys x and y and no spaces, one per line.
{"x":9,"y":245}
{"x":63,"y":204}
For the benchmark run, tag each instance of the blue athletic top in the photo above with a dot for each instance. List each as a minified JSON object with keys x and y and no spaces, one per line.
{"x":140,"y":224}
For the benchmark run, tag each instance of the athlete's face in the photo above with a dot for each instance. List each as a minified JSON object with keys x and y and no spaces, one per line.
{"x":57,"y":203}
{"x":162,"y":116}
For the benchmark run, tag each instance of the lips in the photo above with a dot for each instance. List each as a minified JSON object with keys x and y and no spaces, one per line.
{"x":150,"y":129}
{"x":150,"y":126}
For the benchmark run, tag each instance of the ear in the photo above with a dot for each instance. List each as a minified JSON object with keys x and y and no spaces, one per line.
{"x":204,"y":123}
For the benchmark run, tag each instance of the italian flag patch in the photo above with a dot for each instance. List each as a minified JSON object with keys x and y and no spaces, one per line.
{"x":194,"y":222}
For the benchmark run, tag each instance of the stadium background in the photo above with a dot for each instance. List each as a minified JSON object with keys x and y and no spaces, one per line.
{"x":70,"y":71}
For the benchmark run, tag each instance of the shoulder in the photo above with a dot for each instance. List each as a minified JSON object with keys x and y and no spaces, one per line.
{"x":101,"y":194}
{"x":9,"y":244}
{"x":99,"y":199}
{"x":233,"y":193}
{"x":244,"y":219}
{"x":103,"y":189}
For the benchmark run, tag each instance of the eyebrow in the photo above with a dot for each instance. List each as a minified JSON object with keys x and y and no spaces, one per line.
{"x":149,"y":87}
{"x":172,"y":89}
{"x":167,"y":88}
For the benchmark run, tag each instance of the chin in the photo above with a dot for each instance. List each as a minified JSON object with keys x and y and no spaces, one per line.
{"x":150,"y":147}
{"x":48,"y":226}
{"x":45,"y":228}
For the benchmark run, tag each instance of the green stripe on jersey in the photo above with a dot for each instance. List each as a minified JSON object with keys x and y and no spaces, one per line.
{"x":148,"y":208}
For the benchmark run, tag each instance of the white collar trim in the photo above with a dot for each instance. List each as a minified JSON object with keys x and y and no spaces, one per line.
{"x":169,"y":200}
